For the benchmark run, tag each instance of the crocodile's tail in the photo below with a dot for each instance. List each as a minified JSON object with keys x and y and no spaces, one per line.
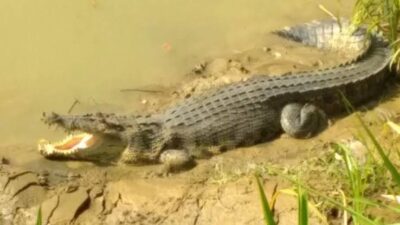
{"x":98,"y":123}
{"x":340,"y":36}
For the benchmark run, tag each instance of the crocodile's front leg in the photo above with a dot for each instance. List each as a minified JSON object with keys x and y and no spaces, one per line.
{"x":173,"y":160}
{"x":302,"y":120}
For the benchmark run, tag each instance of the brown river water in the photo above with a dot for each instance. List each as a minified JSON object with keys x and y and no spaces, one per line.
{"x":53,"y":52}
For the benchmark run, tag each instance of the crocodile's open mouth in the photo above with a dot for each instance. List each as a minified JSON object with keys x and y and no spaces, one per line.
{"x":71,"y":146}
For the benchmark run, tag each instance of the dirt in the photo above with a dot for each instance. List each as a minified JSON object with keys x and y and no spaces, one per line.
{"x":220,"y":190}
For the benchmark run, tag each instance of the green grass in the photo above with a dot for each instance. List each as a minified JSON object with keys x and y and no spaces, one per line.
{"x":268,"y":215}
{"x":267,"y":209}
{"x":303,"y":206}
{"x":387,"y":163}
{"x":355,"y":202}
{"x":363,"y":182}
{"x":355,"y":179}
{"x":39,"y":220}
{"x":381,"y":16}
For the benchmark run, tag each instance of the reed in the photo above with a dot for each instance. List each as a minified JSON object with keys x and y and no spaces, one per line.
{"x":381,"y":16}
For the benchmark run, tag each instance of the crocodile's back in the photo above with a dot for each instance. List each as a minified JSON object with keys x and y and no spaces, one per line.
{"x":248,"y":112}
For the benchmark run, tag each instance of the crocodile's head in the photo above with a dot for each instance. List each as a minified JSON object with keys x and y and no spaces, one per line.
{"x":99,"y":137}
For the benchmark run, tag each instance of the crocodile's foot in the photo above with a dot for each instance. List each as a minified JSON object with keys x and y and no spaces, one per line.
{"x":172,"y":160}
{"x":303,"y":120}
{"x":176,"y":160}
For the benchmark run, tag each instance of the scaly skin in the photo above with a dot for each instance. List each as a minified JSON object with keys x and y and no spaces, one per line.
{"x":252,"y":111}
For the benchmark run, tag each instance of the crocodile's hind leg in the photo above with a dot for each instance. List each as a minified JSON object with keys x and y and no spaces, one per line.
{"x":302,"y":120}
{"x":137,"y":156}
{"x":174,"y":160}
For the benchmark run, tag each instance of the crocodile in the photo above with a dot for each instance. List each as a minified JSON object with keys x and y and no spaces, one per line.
{"x":242,"y":113}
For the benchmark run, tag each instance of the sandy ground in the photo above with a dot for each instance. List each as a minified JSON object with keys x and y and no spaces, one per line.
{"x":220,"y":190}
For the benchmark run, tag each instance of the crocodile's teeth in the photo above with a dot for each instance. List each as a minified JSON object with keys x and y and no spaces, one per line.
{"x":68,"y":147}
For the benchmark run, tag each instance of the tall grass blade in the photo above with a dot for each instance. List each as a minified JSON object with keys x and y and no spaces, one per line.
{"x":39,"y":217}
{"x":310,"y":206}
{"x":303,"y":206}
{"x":354,"y":177}
{"x":386,"y":161}
{"x":364,"y":220}
{"x":268,"y":215}
{"x":382,"y":16}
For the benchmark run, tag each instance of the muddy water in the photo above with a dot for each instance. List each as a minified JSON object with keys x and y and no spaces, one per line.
{"x":54,"y":52}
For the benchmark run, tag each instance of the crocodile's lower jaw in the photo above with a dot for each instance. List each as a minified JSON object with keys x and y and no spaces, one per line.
{"x":70,"y":147}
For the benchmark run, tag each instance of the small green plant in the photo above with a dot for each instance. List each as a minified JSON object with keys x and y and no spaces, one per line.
{"x":357,"y":176}
{"x":382,"y":16}
{"x":303,"y":206}
{"x":364,"y":180}
{"x":355,"y":179}
{"x":268,"y":215}
{"x":379,"y":15}
{"x":302,"y":199}
{"x":39,"y":217}
{"x":386,"y":161}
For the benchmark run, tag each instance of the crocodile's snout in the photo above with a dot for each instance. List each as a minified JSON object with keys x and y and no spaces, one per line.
{"x":51,"y":119}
